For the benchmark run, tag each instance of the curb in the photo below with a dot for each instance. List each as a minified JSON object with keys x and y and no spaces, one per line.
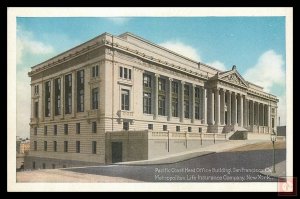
{"x":163,"y":161}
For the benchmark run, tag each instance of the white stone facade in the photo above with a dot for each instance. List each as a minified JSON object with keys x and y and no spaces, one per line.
{"x":116,"y":83}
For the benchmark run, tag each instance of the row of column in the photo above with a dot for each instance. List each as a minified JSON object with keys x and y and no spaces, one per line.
{"x":214,"y":109}
{"x":235,"y":110}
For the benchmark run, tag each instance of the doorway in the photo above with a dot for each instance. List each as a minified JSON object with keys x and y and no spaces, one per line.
{"x":116,"y":152}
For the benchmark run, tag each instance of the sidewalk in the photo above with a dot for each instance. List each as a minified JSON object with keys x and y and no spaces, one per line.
{"x":178,"y":157}
{"x":280,"y":170}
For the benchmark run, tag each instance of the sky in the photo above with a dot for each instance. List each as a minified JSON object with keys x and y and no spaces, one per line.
{"x":256,"y":45}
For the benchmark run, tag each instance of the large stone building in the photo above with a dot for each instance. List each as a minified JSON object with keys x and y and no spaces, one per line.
{"x":120,"y":98}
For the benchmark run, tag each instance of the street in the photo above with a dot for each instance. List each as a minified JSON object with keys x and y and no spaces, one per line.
{"x":239,"y":165}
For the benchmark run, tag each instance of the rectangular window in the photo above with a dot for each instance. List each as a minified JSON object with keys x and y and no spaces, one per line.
{"x":150,"y":126}
{"x":45,"y":145}
{"x":57,"y":96}
{"x":36,"y":109}
{"x":77,"y":146}
{"x":197,"y":110}
{"x":175,"y":107}
{"x":80,"y":91}
{"x":189,"y":129}
{"x":178,"y":128}
{"x":36,"y":89}
{"x":47,"y":98}
{"x":68,"y":94}
{"x":125,"y":73}
{"x":161,"y":84}
{"x":125,"y":99}
{"x":186,"y":90}
{"x":200,"y":130}
{"x":95,"y":71}
{"x":147,"y":103}
{"x":78,"y":128}
{"x":94,"y":127}
{"x":129,"y":73}
{"x":175,"y":87}
{"x":125,"y":126}
{"x":186,"y":109}
{"x":66,"y":129}
{"x":165,"y":127}
{"x":34,"y":145}
{"x":55,"y":129}
{"x":95,"y":98}
{"x":45,"y":130}
{"x":65,"y":146}
{"x":35,"y":131}
{"x":147,"y":81}
{"x":121,"y":71}
{"x":94,"y":147}
{"x":161,"y":105}
{"x":197,"y":92}
{"x":54,"y":146}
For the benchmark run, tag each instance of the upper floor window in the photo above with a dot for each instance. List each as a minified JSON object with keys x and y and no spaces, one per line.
{"x":147,"y":81}
{"x":125,"y":99}
{"x":147,"y":102}
{"x":197,"y":92}
{"x":186,"y":90}
{"x":95,"y":71}
{"x":125,"y":73}
{"x":68,"y":94}
{"x":161,"y":84}
{"x":161,"y":105}
{"x":80,"y":91}
{"x":95,"y":98}
{"x":57,"y":96}
{"x":36,"y":109}
{"x":36,"y":89}
{"x":47,"y":98}
{"x":175,"y":87}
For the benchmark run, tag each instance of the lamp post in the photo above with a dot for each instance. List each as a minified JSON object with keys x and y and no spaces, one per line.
{"x":273,"y":139}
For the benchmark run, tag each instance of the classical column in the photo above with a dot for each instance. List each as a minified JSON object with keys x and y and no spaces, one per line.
{"x":245,"y":111}
{"x":52,"y":108}
{"x":156,"y":96}
{"x":74,"y":96}
{"x":170,"y":99}
{"x":257,"y":114}
{"x":62,"y":96}
{"x":263,"y":115}
{"x":203,"y":102}
{"x":217,"y":105}
{"x":193,"y":103}
{"x":253,"y":113}
{"x":228,"y":107}
{"x":241,"y":119}
{"x":182,"y":101}
{"x":234,"y":109}
{"x":222,"y":106}
{"x":209,"y":107}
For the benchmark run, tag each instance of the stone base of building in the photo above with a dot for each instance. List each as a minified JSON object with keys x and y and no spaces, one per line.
{"x":32,"y":162}
{"x":215,"y":129}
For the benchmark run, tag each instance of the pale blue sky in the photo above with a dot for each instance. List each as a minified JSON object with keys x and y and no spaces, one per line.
{"x":256,"y":45}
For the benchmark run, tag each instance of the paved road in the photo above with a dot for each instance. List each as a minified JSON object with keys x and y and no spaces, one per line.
{"x":231,"y":166}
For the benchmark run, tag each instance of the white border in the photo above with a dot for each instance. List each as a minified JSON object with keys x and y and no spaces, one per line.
{"x":110,"y":12}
